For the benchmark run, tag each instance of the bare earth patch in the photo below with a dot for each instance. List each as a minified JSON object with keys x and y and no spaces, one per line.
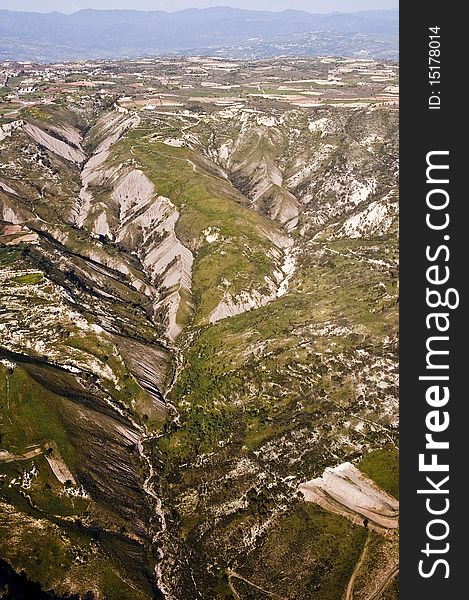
{"x":344,"y":490}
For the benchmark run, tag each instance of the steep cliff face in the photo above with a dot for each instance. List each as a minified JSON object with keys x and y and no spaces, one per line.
{"x":147,"y":224}
{"x":199,"y":314}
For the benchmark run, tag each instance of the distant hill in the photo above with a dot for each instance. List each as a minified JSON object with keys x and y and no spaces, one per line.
{"x":129,"y":33}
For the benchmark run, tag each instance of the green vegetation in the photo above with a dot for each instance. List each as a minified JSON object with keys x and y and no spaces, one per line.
{"x":323,"y":547}
{"x":381,"y":556}
{"x":9,"y":255}
{"x":383,"y":467}
{"x":242,"y":256}
{"x":265,"y":399}
{"x":31,"y":415}
{"x":37,"y":112}
{"x":45,"y":553}
{"x":57,"y":113}
{"x":223,"y":368}
{"x":33,"y":418}
{"x":29,"y":279}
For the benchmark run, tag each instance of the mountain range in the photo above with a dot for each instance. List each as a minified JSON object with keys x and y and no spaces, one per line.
{"x":129,"y":33}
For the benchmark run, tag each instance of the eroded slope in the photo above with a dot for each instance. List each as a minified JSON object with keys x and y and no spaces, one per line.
{"x":201,"y":307}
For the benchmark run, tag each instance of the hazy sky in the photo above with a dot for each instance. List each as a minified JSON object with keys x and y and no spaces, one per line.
{"x":67,"y":6}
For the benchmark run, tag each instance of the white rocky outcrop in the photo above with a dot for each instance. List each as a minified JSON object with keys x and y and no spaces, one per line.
{"x":320,"y":124}
{"x":288,"y":270}
{"x":280,"y":205}
{"x":132,"y":193}
{"x":267,"y":120}
{"x":276,"y":282}
{"x":346,"y":491}
{"x":376,"y":219}
{"x":348,"y":187}
{"x":246,"y":157}
{"x":8,"y":128}
{"x":55,"y":145}
{"x":101,"y":224}
{"x":241,"y":303}
{"x":136,"y":217}
{"x":211,"y":234}
{"x":7,"y":213}
{"x":31,"y":313}
{"x":147,"y":223}
{"x":72,"y":135}
{"x":6,"y":188}
{"x":174,"y":142}
{"x":110,"y":128}
{"x":27,"y":238}
{"x":60,"y":468}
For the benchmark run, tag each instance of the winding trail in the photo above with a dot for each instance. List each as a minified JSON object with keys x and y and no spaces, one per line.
{"x":233,"y":589}
{"x":384,"y":584}
{"x":232,"y":573}
{"x":349,"y":591}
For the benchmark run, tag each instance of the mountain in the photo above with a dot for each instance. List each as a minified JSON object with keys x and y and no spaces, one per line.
{"x":126,"y":33}
{"x":198,"y":330}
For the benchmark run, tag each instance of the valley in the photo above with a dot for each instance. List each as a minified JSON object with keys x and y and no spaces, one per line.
{"x":199,"y":320}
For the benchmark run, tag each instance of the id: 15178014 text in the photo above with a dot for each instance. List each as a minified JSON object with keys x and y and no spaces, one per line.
{"x":434,"y":68}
